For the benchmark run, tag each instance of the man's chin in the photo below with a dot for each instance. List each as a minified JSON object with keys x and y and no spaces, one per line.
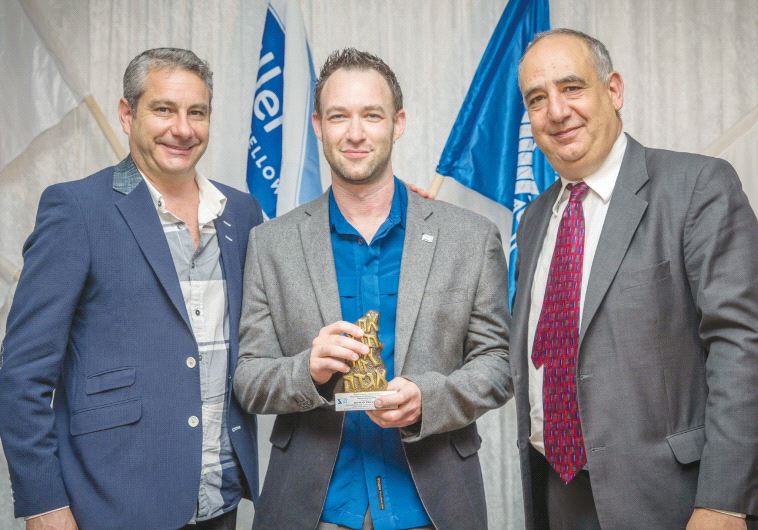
{"x":355,"y":177}
{"x":175,"y":170}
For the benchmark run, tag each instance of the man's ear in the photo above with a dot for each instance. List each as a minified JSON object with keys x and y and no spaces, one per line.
{"x":125,"y":115}
{"x":399,"y":121}
{"x":316,"y":123}
{"x":616,"y":90}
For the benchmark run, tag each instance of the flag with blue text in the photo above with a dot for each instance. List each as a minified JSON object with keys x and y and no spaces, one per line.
{"x":490,"y":148}
{"x":283,"y":162}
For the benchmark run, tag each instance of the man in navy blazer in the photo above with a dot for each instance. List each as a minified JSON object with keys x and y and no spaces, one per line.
{"x":128,"y":310}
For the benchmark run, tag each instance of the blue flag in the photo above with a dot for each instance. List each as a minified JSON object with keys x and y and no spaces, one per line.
{"x":283,"y":163}
{"x":490,"y":148}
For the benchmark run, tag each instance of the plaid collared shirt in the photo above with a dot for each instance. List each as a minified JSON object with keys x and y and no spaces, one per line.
{"x":203,"y":286}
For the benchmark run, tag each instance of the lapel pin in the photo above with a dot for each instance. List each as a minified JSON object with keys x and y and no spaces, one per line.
{"x":427,"y":237}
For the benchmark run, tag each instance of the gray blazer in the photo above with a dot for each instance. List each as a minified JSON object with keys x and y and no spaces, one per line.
{"x":668,"y":346}
{"x":451,"y":339}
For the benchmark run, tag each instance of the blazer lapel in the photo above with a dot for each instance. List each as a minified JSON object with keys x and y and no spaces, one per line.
{"x":418,"y":251}
{"x":531,"y":245}
{"x":316,"y":241}
{"x":624,"y":214}
{"x":230,"y":258}
{"x":137,"y":208}
{"x":528,"y":256}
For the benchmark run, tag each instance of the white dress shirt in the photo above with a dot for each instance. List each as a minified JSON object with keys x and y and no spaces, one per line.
{"x":595,"y":207}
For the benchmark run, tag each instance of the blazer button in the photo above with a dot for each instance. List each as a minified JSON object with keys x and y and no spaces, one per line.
{"x":193,"y":421}
{"x":191,"y":362}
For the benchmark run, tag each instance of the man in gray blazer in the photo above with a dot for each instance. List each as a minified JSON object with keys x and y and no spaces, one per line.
{"x":635,"y":318}
{"x":437,"y":276}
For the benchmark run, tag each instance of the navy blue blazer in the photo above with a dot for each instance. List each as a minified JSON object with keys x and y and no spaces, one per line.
{"x":99,"y":317}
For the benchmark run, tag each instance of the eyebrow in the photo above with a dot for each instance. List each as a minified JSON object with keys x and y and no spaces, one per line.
{"x":161,"y":103}
{"x":562,"y":81}
{"x":363,"y":109}
{"x":169,"y":103}
{"x":571,"y":79}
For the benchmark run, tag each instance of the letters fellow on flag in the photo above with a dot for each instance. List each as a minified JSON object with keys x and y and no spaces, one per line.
{"x":35,"y":95}
{"x":283,"y":164}
{"x":490,"y":148}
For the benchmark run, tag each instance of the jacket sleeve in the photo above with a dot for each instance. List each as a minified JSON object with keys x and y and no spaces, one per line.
{"x":721,"y":256}
{"x":483,"y":381}
{"x":56,"y":257}
{"x":266,"y":381}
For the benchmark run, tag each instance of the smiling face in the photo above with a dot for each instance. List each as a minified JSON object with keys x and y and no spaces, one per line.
{"x":573,"y":113}
{"x":358,"y":125}
{"x":168,"y":131}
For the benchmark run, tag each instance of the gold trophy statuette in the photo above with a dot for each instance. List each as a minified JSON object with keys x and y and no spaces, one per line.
{"x":367,"y":378}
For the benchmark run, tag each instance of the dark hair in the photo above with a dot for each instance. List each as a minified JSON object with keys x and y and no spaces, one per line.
{"x":158,"y":58}
{"x":352,"y":59}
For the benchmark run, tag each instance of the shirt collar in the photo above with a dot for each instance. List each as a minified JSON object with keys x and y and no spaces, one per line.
{"x":212,"y":201}
{"x":340,"y":225}
{"x":602,"y":181}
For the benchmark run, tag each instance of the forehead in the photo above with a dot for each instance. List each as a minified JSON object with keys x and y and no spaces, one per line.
{"x":175,"y":83}
{"x":350,"y":87}
{"x":556,"y":57}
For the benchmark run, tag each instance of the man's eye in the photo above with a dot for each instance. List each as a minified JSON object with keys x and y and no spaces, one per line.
{"x":162,"y":110}
{"x":572,"y":88}
{"x":374,"y":117}
{"x":536,"y":99}
{"x":197,"y":113}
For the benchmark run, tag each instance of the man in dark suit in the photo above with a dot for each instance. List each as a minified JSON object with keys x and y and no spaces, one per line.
{"x":635,"y":332}
{"x":128,"y":308}
{"x":437,"y":276}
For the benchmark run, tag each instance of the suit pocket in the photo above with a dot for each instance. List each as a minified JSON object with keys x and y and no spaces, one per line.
{"x":656,"y":273}
{"x":687,"y":446}
{"x":281,"y":434}
{"x":110,"y":380}
{"x":466,"y":441}
{"x":106,"y":416}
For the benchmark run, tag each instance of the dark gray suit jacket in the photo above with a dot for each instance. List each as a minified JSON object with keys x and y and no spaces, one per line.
{"x":451,"y":339}
{"x":668,"y":347}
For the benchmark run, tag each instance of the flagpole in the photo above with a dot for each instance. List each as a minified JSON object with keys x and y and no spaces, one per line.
{"x":71,"y":76}
{"x":434,"y":189}
{"x":102,"y":122}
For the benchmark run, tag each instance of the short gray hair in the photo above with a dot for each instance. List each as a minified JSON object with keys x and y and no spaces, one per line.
{"x":601,"y":59}
{"x":159,"y":58}
{"x":352,"y":59}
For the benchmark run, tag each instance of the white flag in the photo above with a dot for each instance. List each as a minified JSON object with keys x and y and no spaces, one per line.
{"x":35,"y":96}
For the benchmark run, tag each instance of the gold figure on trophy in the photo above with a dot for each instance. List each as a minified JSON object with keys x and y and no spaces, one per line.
{"x":367,"y":373}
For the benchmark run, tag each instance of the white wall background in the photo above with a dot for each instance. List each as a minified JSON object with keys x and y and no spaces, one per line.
{"x":690,"y":68}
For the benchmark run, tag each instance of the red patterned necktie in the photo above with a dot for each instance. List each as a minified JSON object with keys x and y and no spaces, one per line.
{"x":556,"y":342}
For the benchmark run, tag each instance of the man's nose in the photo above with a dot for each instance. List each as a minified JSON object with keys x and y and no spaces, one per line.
{"x":181,"y":127}
{"x":355,"y":131}
{"x":557,"y":108}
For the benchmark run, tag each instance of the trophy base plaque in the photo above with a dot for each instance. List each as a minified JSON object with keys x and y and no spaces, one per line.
{"x":350,"y":401}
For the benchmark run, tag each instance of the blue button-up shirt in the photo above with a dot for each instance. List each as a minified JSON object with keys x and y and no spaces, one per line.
{"x":371,"y":469}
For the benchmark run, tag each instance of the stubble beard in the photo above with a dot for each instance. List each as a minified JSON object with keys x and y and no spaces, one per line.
{"x":372,"y":173}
